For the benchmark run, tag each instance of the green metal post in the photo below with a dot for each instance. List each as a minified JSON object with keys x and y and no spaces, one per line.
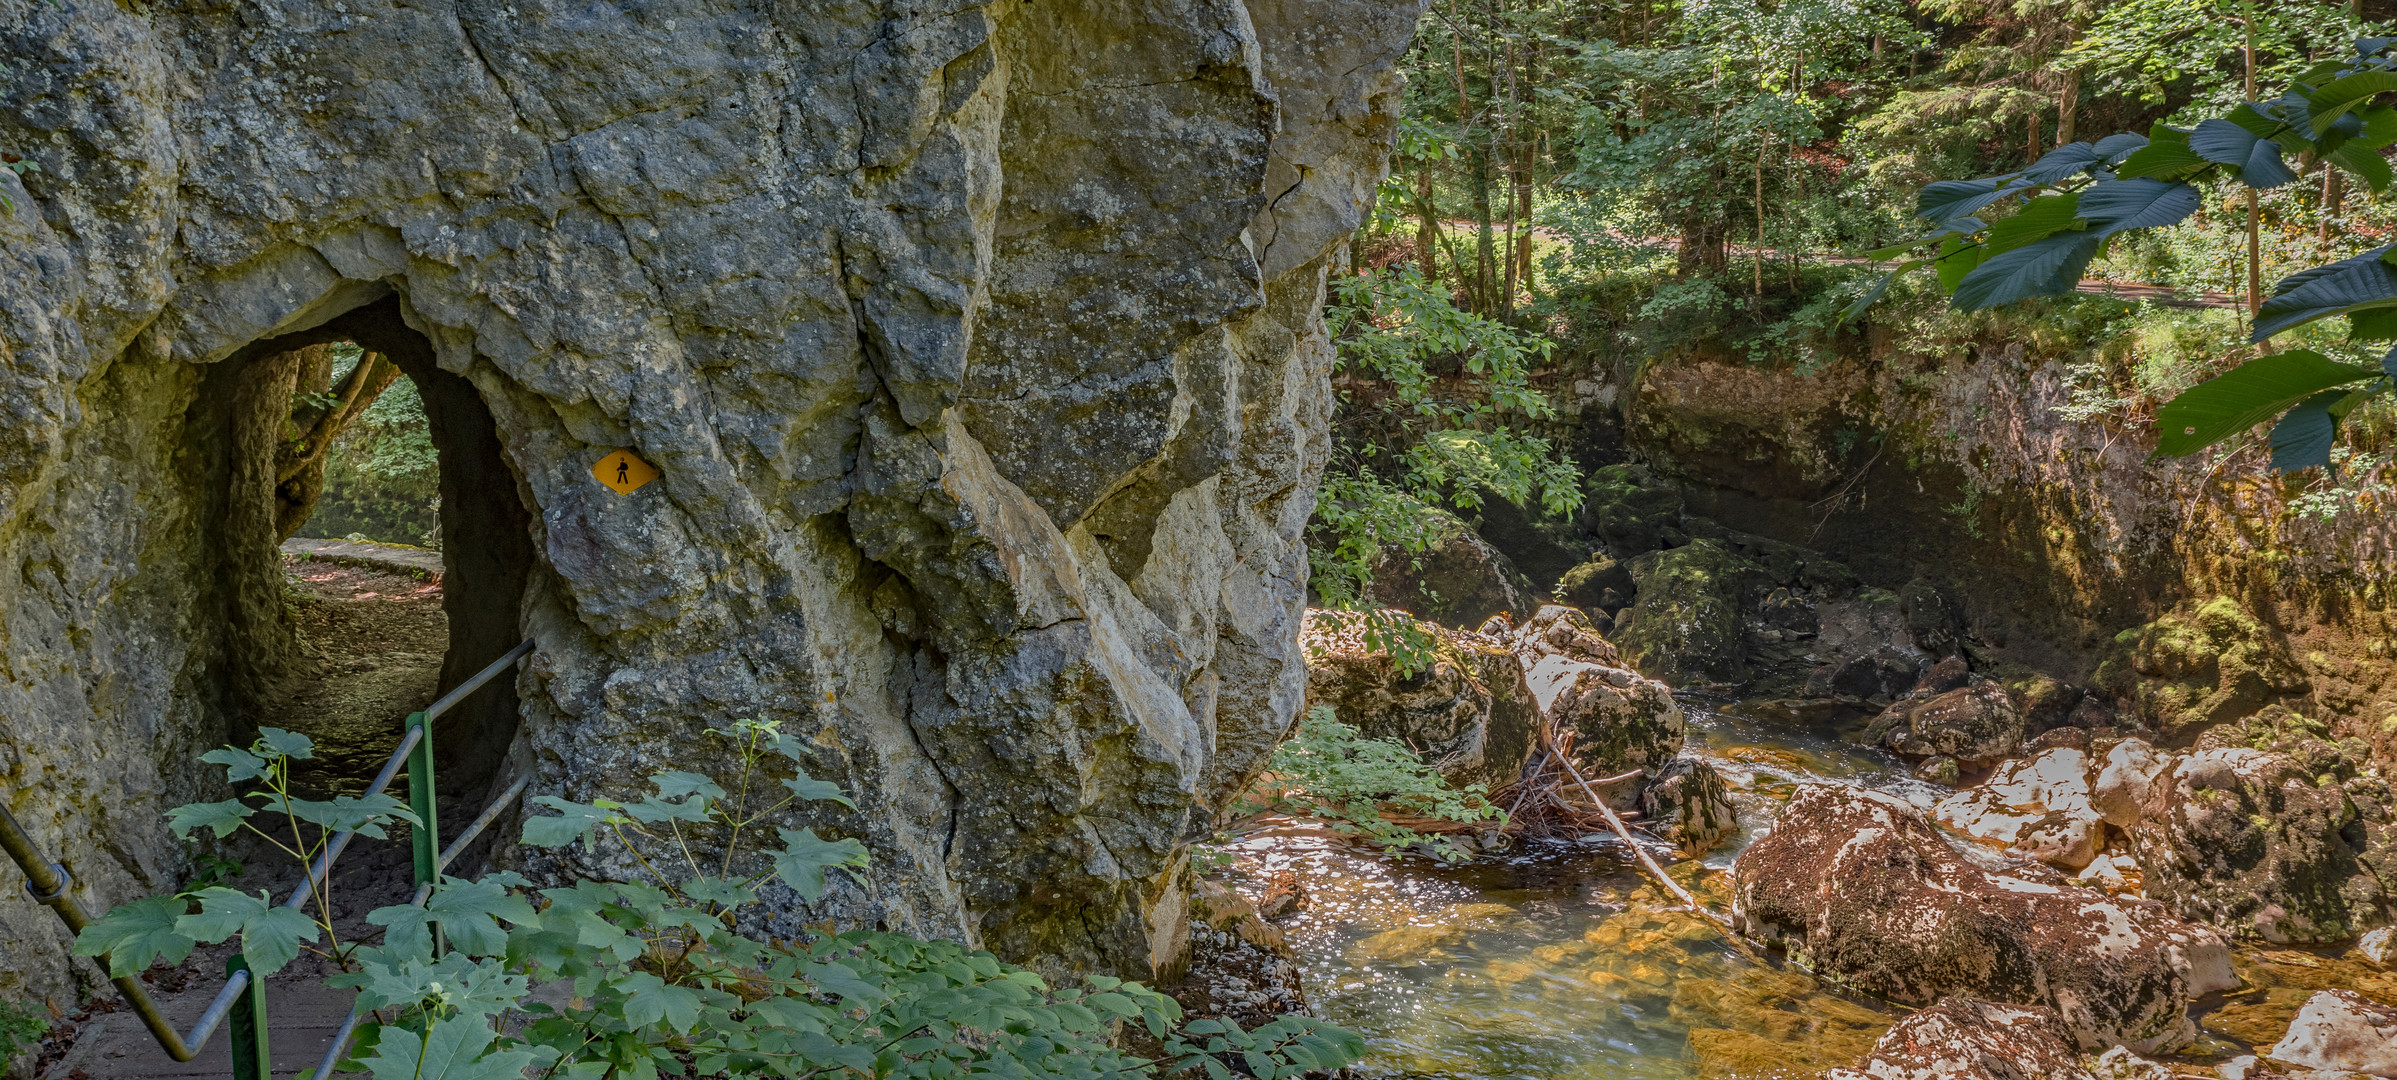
{"x":248,"y":1026}
{"x":427,"y":836}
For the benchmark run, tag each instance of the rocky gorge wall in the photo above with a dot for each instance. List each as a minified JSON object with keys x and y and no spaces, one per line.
{"x":980,"y":350}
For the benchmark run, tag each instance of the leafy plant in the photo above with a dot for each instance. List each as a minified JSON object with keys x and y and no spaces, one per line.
{"x":1329,"y":770}
{"x":1434,"y":439}
{"x":21,"y":1027}
{"x":488,"y":979}
{"x":2080,"y":196}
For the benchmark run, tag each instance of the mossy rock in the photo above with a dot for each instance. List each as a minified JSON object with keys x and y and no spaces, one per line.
{"x":1686,"y":625}
{"x":1460,"y":581}
{"x":2186,"y":672}
{"x":1603,"y":583}
{"x":1628,"y":509}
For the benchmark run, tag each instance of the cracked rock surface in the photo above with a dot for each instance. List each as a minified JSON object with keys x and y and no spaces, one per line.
{"x":979,"y":347}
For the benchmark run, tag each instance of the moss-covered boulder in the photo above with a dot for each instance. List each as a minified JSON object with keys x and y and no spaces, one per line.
{"x":1689,"y":804}
{"x":1460,"y":581}
{"x":1603,"y":584}
{"x":1686,"y":625}
{"x":1468,"y":713}
{"x":1977,"y":722}
{"x":1631,"y":511}
{"x":2184,"y":672}
{"x":2273,"y":831}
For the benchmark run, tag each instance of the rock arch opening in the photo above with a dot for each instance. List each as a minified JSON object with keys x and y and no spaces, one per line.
{"x":262,"y":433}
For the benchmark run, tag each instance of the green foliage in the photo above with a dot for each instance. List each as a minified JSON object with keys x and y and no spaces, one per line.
{"x":1329,"y":770}
{"x":383,"y":475}
{"x":2327,"y":118}
{"x":149,"y":930}
{"x":661,"y":977}
{"x":1433,"y":438}
{"x":20,"y":167}
{"x":21,"y":1028}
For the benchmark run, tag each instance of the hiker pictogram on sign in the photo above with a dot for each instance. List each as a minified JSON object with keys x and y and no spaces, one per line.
{"x":624,"y":472}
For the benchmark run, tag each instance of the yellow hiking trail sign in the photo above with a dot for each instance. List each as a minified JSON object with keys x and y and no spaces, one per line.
{"x":624,"y":472}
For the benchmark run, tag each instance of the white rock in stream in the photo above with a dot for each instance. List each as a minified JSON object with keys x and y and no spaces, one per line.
{"x":2040,"y":808}
{"x":2340,"y":1033}
{"x":2124,"y":779}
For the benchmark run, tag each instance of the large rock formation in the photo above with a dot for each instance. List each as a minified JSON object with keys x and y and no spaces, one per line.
{"x":979,"y":348}
{"x":1860,"y":885}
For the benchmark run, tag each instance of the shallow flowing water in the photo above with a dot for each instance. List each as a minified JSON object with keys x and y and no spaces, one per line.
{"x":1559,"y":959}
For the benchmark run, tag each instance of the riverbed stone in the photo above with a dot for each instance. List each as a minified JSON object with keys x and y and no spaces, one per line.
{"x":2125,"y":774}
{"x":1860,"y":885}
{"x":1963,"y":1038}
{"x":1976,"y":724}
{"x":1460,"y":581}
{"x":978,"y":349}
{"x":2341,"y":1033}
{"x":1630,"y":510}
{"x":1686,"y":626}
{"x":1468,"y":711}
{"x":2037,"y":808}
{"x":1689,"y":805}
{"x":1620,"y":720}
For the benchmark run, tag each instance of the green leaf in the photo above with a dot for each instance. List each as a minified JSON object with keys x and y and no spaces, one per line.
{"x":2365,"y":162}
{"x":2063,"y":163}
{"x":579,"y":822}
{"x":2038,"y":219}
{"x":817,"y":790}
{"x":2145,"y":203}
{"x":805,"y":857}
{"x":467,"y":913}
{"x":649,"y":999}
{"x":1956,"y":259}
{"x":842,"y":981}
{"x":223,"y":818}
{"x":290,"y":744}
{"x":2166,"y":156}
{"x":2372,"y":324}
{"x":240,"y":765}
{"x":2112,"y":149}
{"x":719,"y":891}
{"x":676,"y":785}
{"x":2049,"y":267}
{"x":2365,"y":281}
{"x":2302,"y":438}
{"x":1946,"y":200}
{"x":654,"y":811}
{"x":365,"y":815}
{"x":270,"y":934}
{"x":2257,"y":159}
{"x":134,"y":936}
{"x":2347,"y":93}
{"x":2245,"y":396}
{"x":449,"y":1050}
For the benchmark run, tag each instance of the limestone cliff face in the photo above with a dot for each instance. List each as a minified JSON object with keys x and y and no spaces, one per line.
{"x":979,"y":346}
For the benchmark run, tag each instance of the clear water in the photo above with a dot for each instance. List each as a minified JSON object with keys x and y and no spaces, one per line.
{"x":1559,"y":960}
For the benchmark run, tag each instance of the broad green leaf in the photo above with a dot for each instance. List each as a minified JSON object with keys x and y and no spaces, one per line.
{"x":649,"y":999}
{"x":2049,"y":267}
{"x":2365,"y":281}
{"x":223,"y":818}
{"x":365,"y":815}
{"x":2113,"y":148}
{"x":2063,"y":163}
{"x":134,"y":936}
{"x":1946,"y":200}
{"x":2144,"y":203}
{"x":2302,"y":438}
{"x":719,"y":891}
{"x":240,"y":765}
{"x":654,"y":811}
{"x":1956,"y":259}
{"x":1964,"y":226}
{"x":2372,"y":324}
{"x":2257,"y":159}
{"x":290,"y":744}
{"x":842,"y":981}
{"x":2365,"y":162}
{"x":2038,"y":219}
{"x":2343,"y":94}
{"x":2245,"y":396}
{"x":676,"y":785}
{"x":815,"y":790}
{"x":2388,"y":364}
{"x":450,"y":1050}
{"x":578,"y":823}
{"x":270,"y":933}
{"x":467,"y":913}
{"x":2166,"y":156}
{"x":805,"y":857}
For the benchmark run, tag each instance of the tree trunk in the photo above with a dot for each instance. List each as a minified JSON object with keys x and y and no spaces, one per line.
{"x":2068,"y":107}
{"x":1703,"y":249}
{"x":300,"y":459}
{"x":1485,"y":253}
{"x":2033,"y":142}
{"x":2334,"y":192}
{"x":1427,"y":227}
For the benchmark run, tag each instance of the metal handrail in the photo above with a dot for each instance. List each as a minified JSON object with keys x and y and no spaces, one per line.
{"x":49,"y":883}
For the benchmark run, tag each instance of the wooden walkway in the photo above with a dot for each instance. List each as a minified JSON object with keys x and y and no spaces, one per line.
{"x":301,"y":1018}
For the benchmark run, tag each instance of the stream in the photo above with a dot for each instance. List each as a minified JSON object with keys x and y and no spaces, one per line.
{"x":1560,"y":960}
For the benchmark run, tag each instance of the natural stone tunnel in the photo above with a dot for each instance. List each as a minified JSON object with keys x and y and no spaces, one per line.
{"x":980,"y":350}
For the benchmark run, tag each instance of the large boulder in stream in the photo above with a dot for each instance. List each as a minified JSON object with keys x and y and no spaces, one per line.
{"x":1860,"y":886}
{"x":1965,"y":1038}
{"x":2187,"y":671}
{"x":1686,"y":625}
{"x":1460,"y":581}
{"x":2272,"y":832}
{"x":1977,"y":722}
{"x":2341,"y":1033}
{"x":2038,"y":808}
{"x":1620,"y":720}
{"x":978,"y":349}
{"x":1467,"y":711}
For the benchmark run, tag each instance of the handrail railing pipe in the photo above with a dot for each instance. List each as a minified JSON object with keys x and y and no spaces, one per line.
{"x":50,"y":884}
